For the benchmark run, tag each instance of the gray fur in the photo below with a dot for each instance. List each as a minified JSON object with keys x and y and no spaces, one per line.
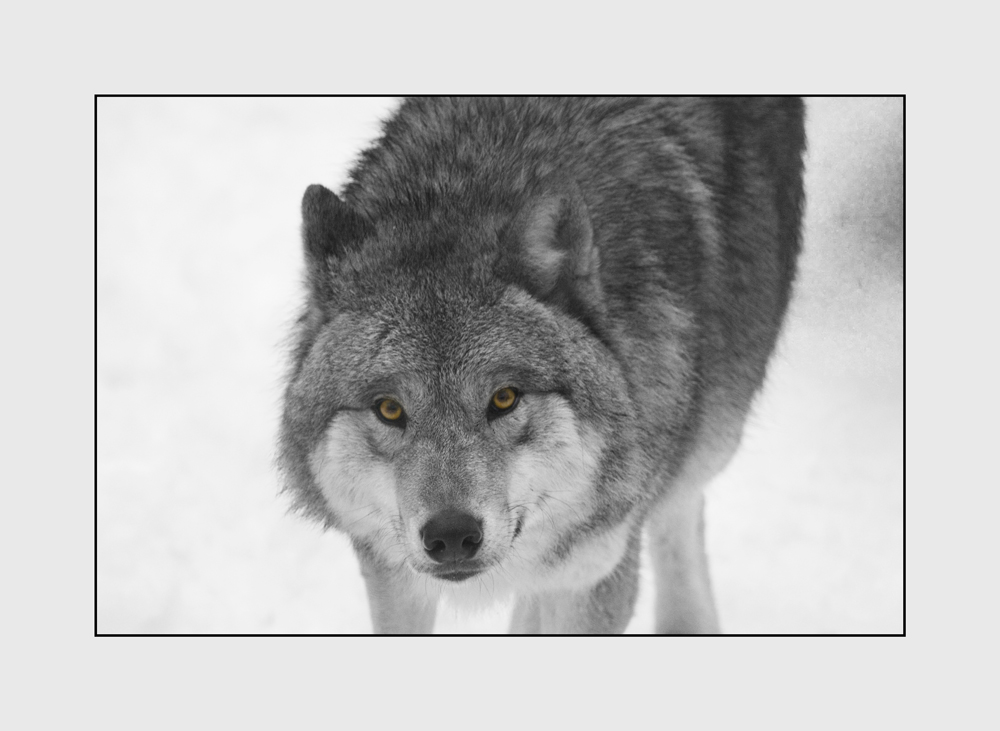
{"x":630,"y":258}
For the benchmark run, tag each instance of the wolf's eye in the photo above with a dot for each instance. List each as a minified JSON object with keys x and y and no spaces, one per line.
{"x":390,"y":411}
{"x":503,"y":401}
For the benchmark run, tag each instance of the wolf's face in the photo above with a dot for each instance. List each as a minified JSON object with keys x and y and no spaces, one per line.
{"x":450,"y":420}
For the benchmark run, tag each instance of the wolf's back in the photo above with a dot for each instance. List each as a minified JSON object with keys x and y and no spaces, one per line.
{"x":694,"y":203}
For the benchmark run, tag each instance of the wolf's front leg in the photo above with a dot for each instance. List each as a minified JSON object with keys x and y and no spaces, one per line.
{"x":399,"y":604}
{"x":684,"y":603}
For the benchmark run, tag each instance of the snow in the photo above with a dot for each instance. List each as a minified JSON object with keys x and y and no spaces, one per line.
{"x":198,"y":280}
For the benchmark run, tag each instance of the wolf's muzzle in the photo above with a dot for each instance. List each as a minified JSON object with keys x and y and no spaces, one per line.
{"x":452,"y":537}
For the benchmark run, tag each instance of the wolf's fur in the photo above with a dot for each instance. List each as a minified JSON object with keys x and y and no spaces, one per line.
{"x":625,"y":264}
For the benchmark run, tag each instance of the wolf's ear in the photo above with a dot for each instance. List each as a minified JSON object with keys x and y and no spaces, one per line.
{"x":329,"y":229}
{"x":329,"y":226}
{"x":558,"y":258}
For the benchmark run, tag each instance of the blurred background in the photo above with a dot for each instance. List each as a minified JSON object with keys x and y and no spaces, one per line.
{"x":199,"y":270}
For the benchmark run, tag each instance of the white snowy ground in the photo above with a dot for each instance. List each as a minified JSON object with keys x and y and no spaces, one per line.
{"x":198,"y":271}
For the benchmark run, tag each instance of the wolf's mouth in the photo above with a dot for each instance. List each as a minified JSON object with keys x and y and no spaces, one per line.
{"x":517,"y":528}
{"x":455,"y":575}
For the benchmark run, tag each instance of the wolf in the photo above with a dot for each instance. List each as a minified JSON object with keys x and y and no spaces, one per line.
{"x":533,"y":328}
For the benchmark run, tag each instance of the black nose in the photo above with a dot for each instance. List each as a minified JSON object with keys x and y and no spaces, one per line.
{"x":451,"y":536}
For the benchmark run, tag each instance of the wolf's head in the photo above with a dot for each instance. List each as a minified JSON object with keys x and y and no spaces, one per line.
{"x":454,"y":404}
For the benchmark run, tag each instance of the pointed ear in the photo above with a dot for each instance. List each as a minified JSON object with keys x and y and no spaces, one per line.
{"x":558,"y":258}
{"x":329,"y":229}
{"x":329,"y":226}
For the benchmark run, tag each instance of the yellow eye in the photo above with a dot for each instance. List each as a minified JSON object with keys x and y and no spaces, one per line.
{"x":390,"y":410}
{"x":504,"y":399}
